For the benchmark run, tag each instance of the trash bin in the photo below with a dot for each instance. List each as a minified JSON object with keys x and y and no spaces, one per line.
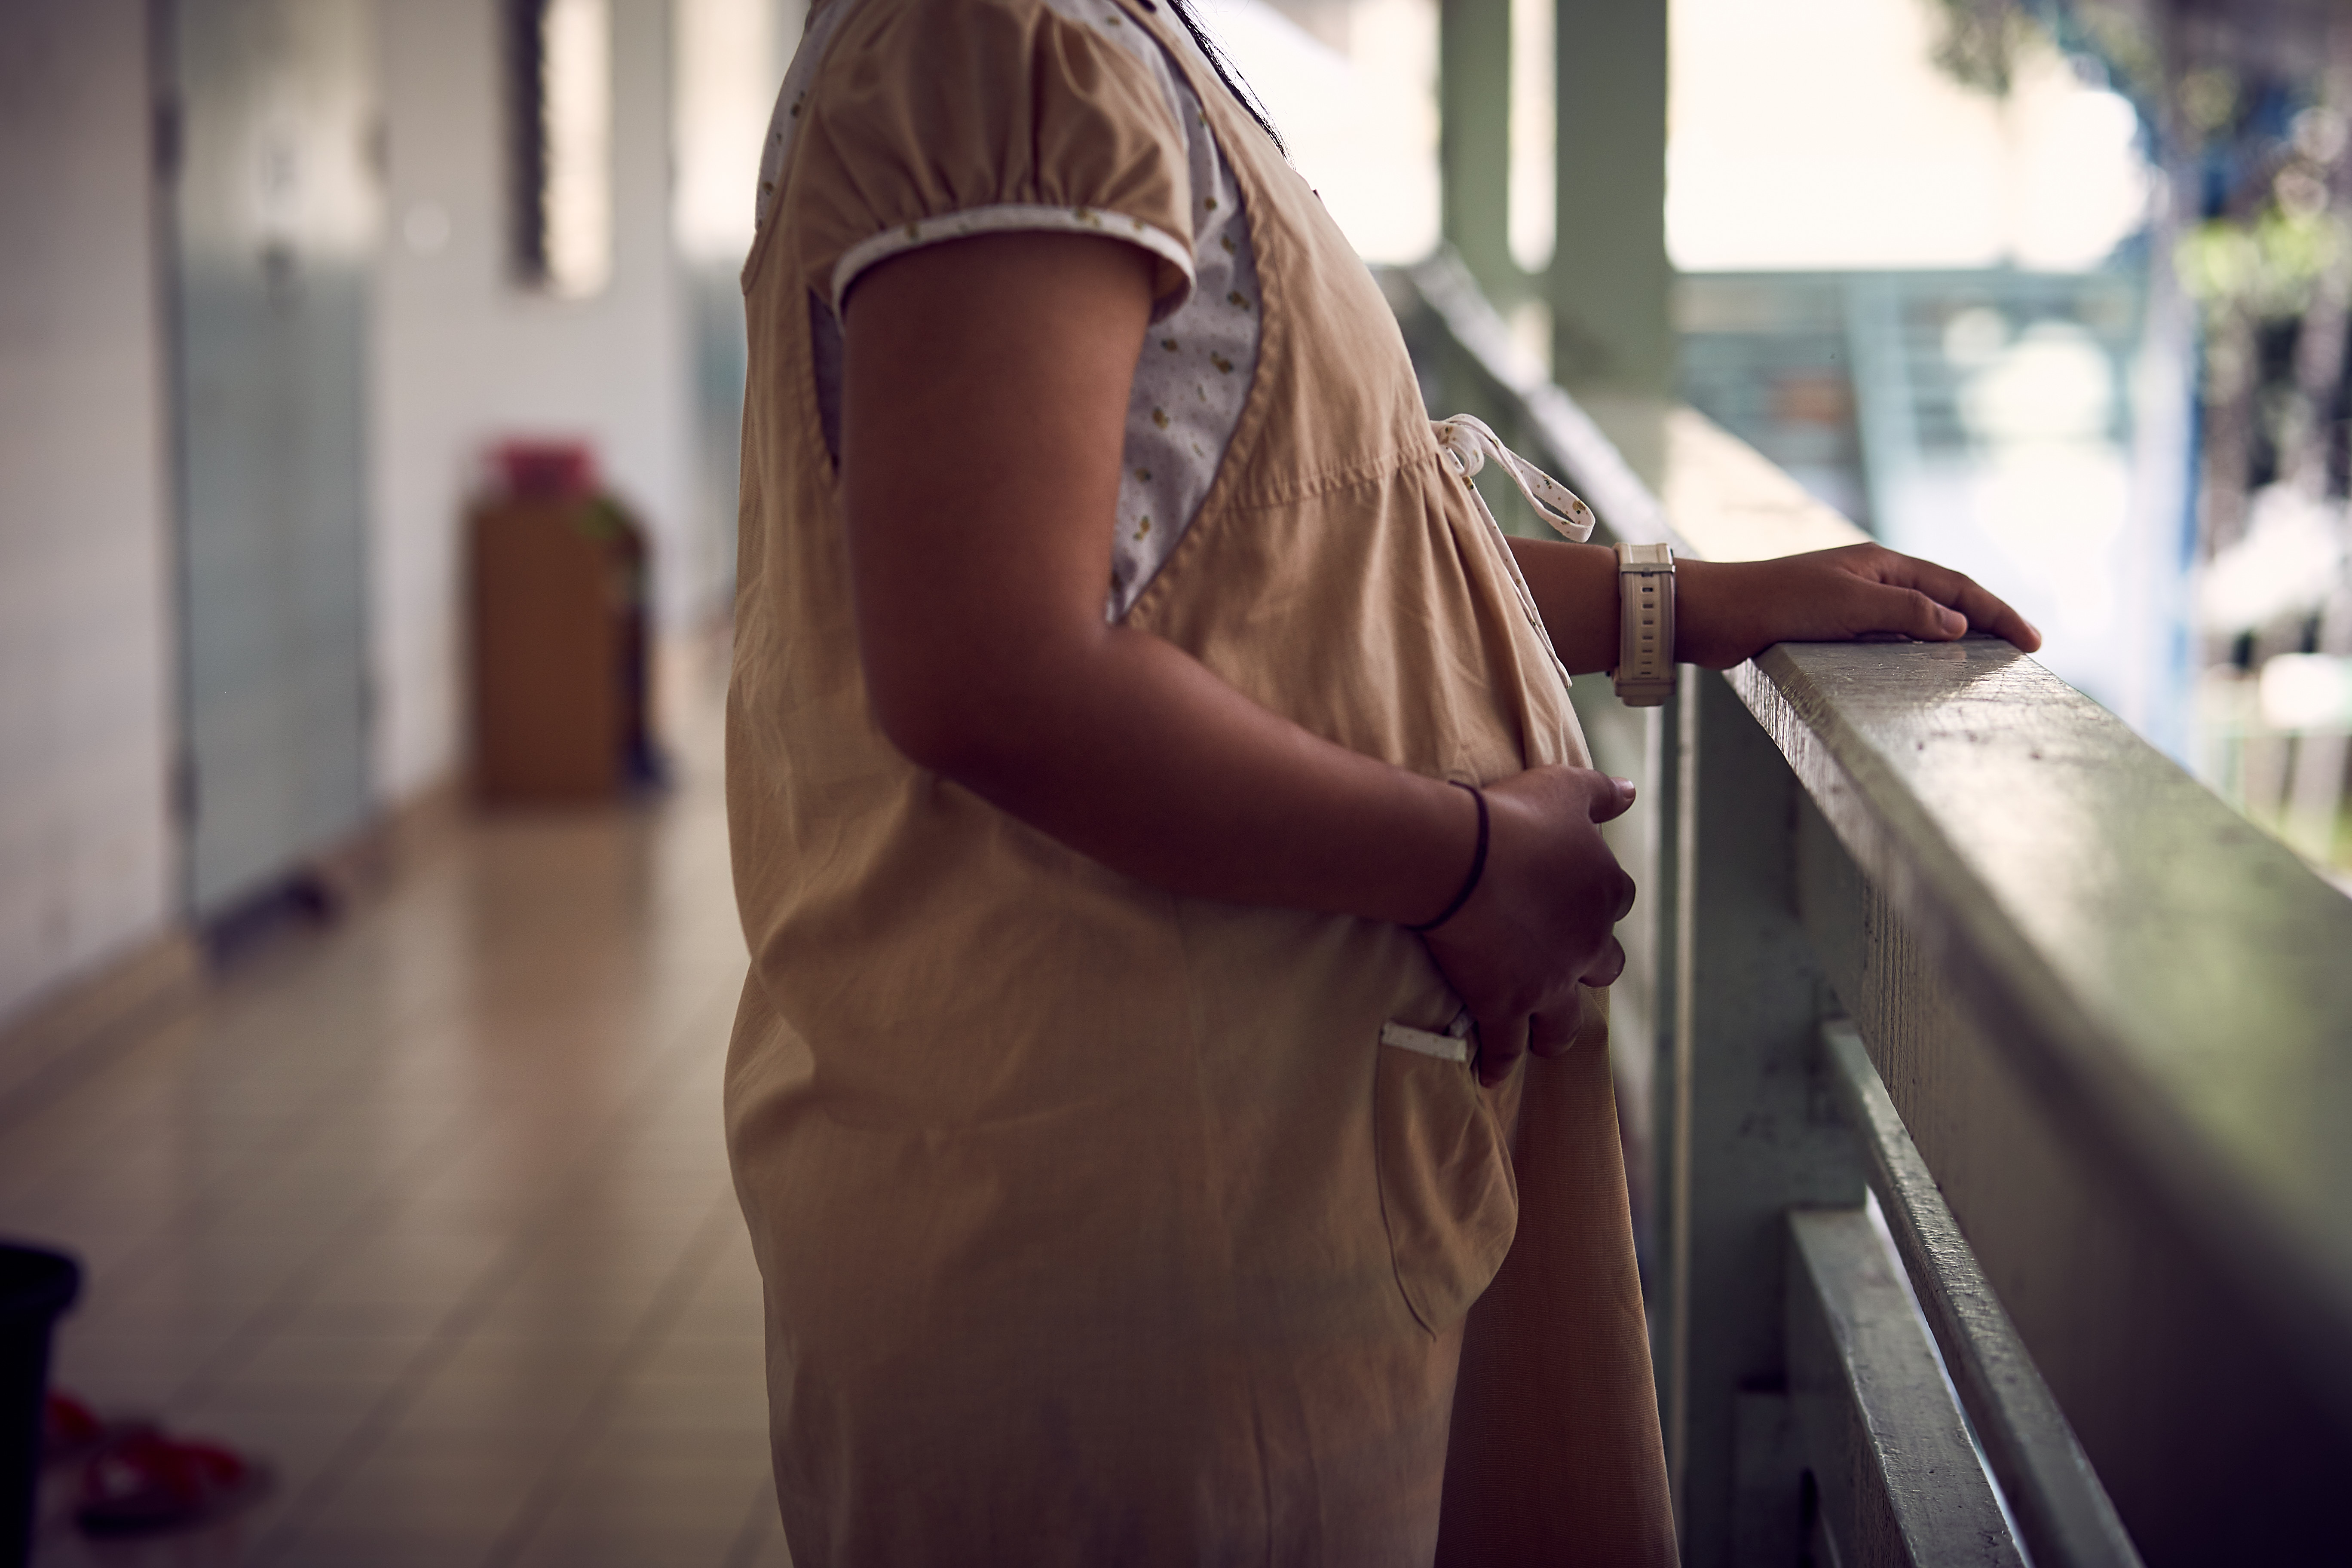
{"x":559,"y":635}
{"x":36,"y":1286}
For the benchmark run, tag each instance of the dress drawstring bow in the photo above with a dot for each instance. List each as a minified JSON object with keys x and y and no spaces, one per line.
{"x":1468,"y":443}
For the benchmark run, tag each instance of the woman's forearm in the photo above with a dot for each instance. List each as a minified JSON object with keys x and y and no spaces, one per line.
{"x":1128,"y":751}
{"x":986,"y":385}
{"x":1575,"y":588}
{"x":1726,"y":611}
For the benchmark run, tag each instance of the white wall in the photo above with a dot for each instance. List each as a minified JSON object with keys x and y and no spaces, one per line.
{"x":88,"y":848}
{"x":462,"y":358}
{"x":86,"y":864}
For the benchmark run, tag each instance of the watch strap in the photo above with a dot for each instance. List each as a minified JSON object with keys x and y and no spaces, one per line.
{"x":1645,"y":650}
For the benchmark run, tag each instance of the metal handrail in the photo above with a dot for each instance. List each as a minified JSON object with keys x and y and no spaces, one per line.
{"x":2117,"y":1019}
{"x":2062,"y":1510}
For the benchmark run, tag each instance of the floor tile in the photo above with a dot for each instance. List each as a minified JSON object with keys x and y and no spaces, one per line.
{"x":376,"y":1545}
{"x":430,"y":1211}
{"x":597,"y":1546}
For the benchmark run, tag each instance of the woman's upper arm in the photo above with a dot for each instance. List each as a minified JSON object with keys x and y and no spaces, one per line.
{"x":984,"y":398}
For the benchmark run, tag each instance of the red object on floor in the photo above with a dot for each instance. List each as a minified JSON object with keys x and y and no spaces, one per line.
{"x":72,"y":1430}
{"x":150,"y":1482}
{"x":68,"y":1426}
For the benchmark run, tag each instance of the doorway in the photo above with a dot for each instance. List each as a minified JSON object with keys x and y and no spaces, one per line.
{"x":271,"y":192}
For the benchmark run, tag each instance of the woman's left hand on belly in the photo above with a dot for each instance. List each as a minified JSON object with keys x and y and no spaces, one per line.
{"x":1540,"y":923}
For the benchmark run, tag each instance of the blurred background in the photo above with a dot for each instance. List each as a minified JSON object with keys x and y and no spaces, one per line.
{"x":2053,"y":292}
{"x":370,"y":381}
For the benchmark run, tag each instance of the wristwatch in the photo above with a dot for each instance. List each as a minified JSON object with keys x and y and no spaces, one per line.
{"x":1645,"y":642}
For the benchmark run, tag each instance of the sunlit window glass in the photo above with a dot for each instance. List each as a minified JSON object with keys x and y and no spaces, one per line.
{"x":726,"y":63}
{"x":560,"y":60}
{"x":1532,"y":192}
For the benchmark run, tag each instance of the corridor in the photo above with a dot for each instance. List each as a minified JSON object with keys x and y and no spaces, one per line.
{"x":430,"y":1209}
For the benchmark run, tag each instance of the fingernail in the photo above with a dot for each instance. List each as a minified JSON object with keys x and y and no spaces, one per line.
{"x":1624,"y":786}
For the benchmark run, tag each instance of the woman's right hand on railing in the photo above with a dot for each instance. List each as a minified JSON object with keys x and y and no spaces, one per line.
{"x":1732,"y":610}
{"x":1540,"y":923}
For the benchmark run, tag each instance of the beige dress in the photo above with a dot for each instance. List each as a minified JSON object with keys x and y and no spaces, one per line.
{"x":1098,"y":1225}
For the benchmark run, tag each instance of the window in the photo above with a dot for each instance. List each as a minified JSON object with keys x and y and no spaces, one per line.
{"x":560,"y":97}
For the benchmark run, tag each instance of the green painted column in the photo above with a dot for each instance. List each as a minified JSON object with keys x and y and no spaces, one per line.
{"x":1473,"y":99}
{"x":1610,"y":287}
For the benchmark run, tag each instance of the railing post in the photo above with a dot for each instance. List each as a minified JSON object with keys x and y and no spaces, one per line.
{"x":1662,"y":774}
{"x":1640,"y":743}
{"x":1756,"y":1131}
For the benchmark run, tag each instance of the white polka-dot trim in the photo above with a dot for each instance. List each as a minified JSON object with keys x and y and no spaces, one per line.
{"x":784,"y":122}
{"x":1010,"y":218}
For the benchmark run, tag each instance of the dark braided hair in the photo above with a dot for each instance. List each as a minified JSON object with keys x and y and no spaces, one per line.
{"x":1223,"y":65}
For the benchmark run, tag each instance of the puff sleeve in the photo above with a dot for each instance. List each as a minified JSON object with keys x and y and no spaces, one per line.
{"x":934,"y":119}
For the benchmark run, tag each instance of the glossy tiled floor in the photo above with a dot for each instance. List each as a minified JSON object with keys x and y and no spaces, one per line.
{"x":431,"y":1210}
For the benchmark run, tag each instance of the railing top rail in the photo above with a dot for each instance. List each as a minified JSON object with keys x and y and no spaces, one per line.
{"x":2172,"y":981}
{"x":2163,"y":974}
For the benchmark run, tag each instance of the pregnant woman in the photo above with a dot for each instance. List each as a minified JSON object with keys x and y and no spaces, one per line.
{"x":1168,"y":857}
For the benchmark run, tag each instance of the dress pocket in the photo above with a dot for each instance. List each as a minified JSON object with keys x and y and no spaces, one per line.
{"x":1448,"y":1195}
